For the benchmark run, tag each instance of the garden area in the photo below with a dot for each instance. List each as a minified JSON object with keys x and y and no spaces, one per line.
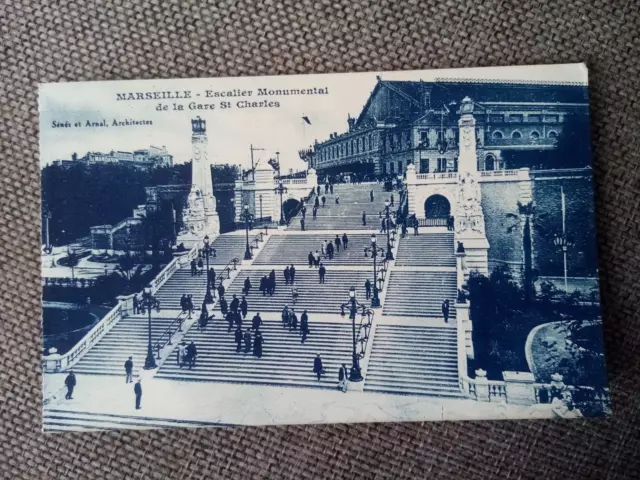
{"x":63,"y":325}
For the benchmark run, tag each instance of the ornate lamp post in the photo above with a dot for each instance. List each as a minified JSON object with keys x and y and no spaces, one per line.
{"x":387,"y":215}
{"x":149,"y":302}
{"x":563,"y":243}
{"x":355,"y":375}
{"x":206,"y":251}
{"x":260,"y":198}
{"x":374,"y":250}
{"x":247,"y":216}
{"x":280,"y":189}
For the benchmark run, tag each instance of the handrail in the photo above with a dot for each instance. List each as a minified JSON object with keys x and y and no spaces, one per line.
{"x":180,"y":320}
{"x":259,"y":238}
{"x":363,"y":340}
{"x":227,"y":269}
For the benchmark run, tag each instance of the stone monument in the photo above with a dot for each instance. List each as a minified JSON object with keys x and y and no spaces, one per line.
{"x":469,"y":218}
{"x":199,"y":217}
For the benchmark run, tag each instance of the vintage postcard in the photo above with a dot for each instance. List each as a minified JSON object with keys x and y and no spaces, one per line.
{"x":361,"y":247}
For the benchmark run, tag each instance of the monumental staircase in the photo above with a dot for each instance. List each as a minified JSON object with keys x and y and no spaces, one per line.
{"x":419,"y":293}
{"x":426,"y":249}
{"x":228,"y":247}
{"x":313,"y":296}
{"x":182,"y":282}
{"x":129,"y":337}
{"x":294,"y":248}
{"x":285,"y":360}
{"x":413,"y":360}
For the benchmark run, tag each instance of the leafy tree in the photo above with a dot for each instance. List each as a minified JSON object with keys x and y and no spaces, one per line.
{"x":527,"y":211}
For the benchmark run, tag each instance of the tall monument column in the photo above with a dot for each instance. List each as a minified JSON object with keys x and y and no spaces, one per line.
{"x":469,"y":217}
{"x":200,"y":217}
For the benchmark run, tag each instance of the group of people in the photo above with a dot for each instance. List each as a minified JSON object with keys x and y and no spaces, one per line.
{"x":186,"y":304}
{"x":318,"y":369}
{"x":328,"y":250}
{"x":187,"y":354}
{"x":268,"y":284}
{"x":290,"y":321}
{"x":247,"y":341}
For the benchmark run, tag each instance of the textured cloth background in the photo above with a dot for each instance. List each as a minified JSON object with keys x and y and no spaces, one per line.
{"x":76,"y":40}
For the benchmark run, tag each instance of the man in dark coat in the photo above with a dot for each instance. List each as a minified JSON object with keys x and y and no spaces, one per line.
{"x":192,"y":353}
{"x":416,"y":225}
{"x":183,"y":302}
{"x":285,"y":316}
{"x":391,"y":199}
{"x":211,"y":278}
{"x":367,"y":289}
{"x":342,"y":378}
{"x":224,"y":306}
{"x":137,"y":389}
{"x":364,"y":218}
{"x":331,"y":188}
{"x":371,"y":195}
{"x":237,"y":319}
{"x":230,"y":318}
{"x":345,"y":240}
{"x":383,"y":225}
{"x":257,"y":345}
{"x":304,"y":326}
{"x":292,"y":274}
{"x":256,"y":322}
{"x":317,"y":202}
{"x":311,"y":259}
{"x":244,"y":307}
{"x":190,"y":304}
{"x":315,"y":211}
{"x":445,"y":310}
{"x":293,"y":320}
{"x":135,"y":304}
{"x":263,"y":285}
{"x":326,"y":188}
{"x":238,"y":339}
{"x":272,"y":282}
{"x":70,"y":383}
{"x":302,"y":224}
{"x":194,"y":267}
{"x":221,"y":290}
{"x":235,"y":303}
{"x":321,"y":273}
{"x":330,"y":250}
{"x":247,"y":341}
{"x":128,"y":370}
{"x":317,"y":366}
{"x":324,"y":200}
{"x":286,"y":275}
{"x":247,"y":285}
{"x":338,"y":242}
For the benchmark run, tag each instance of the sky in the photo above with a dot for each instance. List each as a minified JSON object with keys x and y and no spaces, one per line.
{"x":230,"y":131}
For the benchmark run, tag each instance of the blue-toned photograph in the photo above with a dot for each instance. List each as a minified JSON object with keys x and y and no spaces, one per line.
{"x":361,"y":247}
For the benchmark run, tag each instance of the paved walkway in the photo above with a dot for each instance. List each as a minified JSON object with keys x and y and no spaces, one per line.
{"x":263,"y":405}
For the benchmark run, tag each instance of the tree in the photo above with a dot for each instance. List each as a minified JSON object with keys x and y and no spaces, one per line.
{"x":527,"y":211}
{"x":128,"y":270}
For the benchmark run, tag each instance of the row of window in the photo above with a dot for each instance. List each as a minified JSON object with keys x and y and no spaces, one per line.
{"x":533,"y":135}
{"x":519,"y":118}
{"x":347,"y":148}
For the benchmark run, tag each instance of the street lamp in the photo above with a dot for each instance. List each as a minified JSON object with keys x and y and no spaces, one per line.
{"x":280,"y":189}
{"x":149,"y":302}
{"x":355,"y":375}
{"x":374,"y":250}
{"x":563,"y":243}
{"x":260,"y":198}
{"x":247,"y":216}
{"x":387,"y":214}
{"x":206,"y":251}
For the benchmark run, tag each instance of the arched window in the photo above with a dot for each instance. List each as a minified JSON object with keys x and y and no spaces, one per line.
{"x":489,"y":162}
{"x":342,"y":147}
{"x":366,"y":143}
{"x":552,"y":134}
{"x":497,"y":134}
{"x":516,"y":135}
{"x":534,"y":135}
{"x":370,"y":142}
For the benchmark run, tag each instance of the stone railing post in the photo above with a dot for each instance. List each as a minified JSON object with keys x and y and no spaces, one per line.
{"x":52,"y":361}
{"x":482,"y":386}
{"x":519,"y":387}
{"x":126,"y":304}
{"x":462,"y":318}
{"x":412,"y":181}
{"x":312,"y":178}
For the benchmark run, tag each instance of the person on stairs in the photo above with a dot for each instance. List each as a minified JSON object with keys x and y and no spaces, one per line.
{"x":317,"y":202}
{"x":256,"y":322}
{"x":257,"y":345}
{"x":70,"y":382}
{"x":391,"y":199}
{"x":137,"y":389}
{"x":247,"y":341}
{"x":364,"y":218}
{"x":200,"y":266}
{"x":235,"y":303}
{"x":285,"y":316}
{"x":292,"y":274}
{"x":231,"y":319}
{"x":371,"y":195}
{"x":211,"y":278}
{"x":324,"y":201}
{"x":221,"y":289}
{"x":304,"y":326}
{"x":321,"y":272}
{"x":317,"y":367}
{"x":337,"y":199}
{"x":323,"y":247}
{"x":286,"y":275}
{"x":342,"y":378}
{"x":224,"y":306}
{"x":345,"y":240}
{"x":316,"y":259}
{"x":302,"y":224}
{"x":238,"y":339}
{"x":272,"y":282}
{"x":293,"y":320}
{"x":194,"y":267}
{"x":263,"y":285}
{"x":192,"y":353}
{"x":315,"y":212}
{"x":182,"y":354}
{"x":190,"y":305}
{"x":330,"y":250}
{"x":128,"y":370}
{"x":244,"y":307}
{"x":311,"y":260}
{"x":416,"y":226}
{"x":367,"y":289}
{"x":445,"y":310}
{"x":247,"y":286}
{"x":338,"y":242}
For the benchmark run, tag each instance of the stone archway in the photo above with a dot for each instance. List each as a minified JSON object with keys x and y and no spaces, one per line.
{"x":436,"y":210}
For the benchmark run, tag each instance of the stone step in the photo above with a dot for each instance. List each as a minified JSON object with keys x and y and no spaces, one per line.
{"x":433,"y":391}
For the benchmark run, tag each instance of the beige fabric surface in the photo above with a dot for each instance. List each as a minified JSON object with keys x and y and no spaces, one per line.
{"x":75,"y":40}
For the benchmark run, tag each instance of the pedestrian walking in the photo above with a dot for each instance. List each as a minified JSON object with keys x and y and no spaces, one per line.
{"x":315,"y":212}
{"x":194,"y":267}
{"x":338,"y":242}
{"x":247,"y":286}
{"x":345,"y":240}
{"x":263,"y":285}
{"x":324,"y":201}
{"x":294,"y":295}
{"x":237,"y":318}
{"x":235,"y":303}
{"x":364,"y":218}
{"x":316,"y":259}
{"x":445,"y":310}
{"x":256,"y":322}
{"x":224,"y":306}
{"x":286,"y":275}
{"x":247,"y":341}
{"x":391,"y":199}
{"x":135,"y":304}
{"x":311,"y":260}
{"x":182,"y":354}
{"x":326,"y":188}
{"x":367,"y":289}
{"x":137,"y":389}
{"x":293,"y":320}
{"x":304,"y":326}
{"x":317,"y":202}
{"x":302,"y":224}
{"x":128,"y":370}
{"x":70,"y":382}
{"x":321,"y":272}
{"x":371,"y":195}
{"x":183,"y":303}
{"x":317,"y":367}
{"x":211,"y":278}
{"x":257,"y":345}
{"x":190,"y":305}
{"x":285,"y":316}
{"x":416,"y":225}
{"x":231,"y":319}
{"x":330,"y":250}
{"x":238,"y":339}
{"x":192,"y":353}
{"x":292,"y":274}
{"x":383,"y":225}
{"x":342,"y":378}
{"x":323,"y":247}
{"x":244,"y":307}
{"x":200,"y":266}
{"x":221,"y":289}
{"x":204,"y":316}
